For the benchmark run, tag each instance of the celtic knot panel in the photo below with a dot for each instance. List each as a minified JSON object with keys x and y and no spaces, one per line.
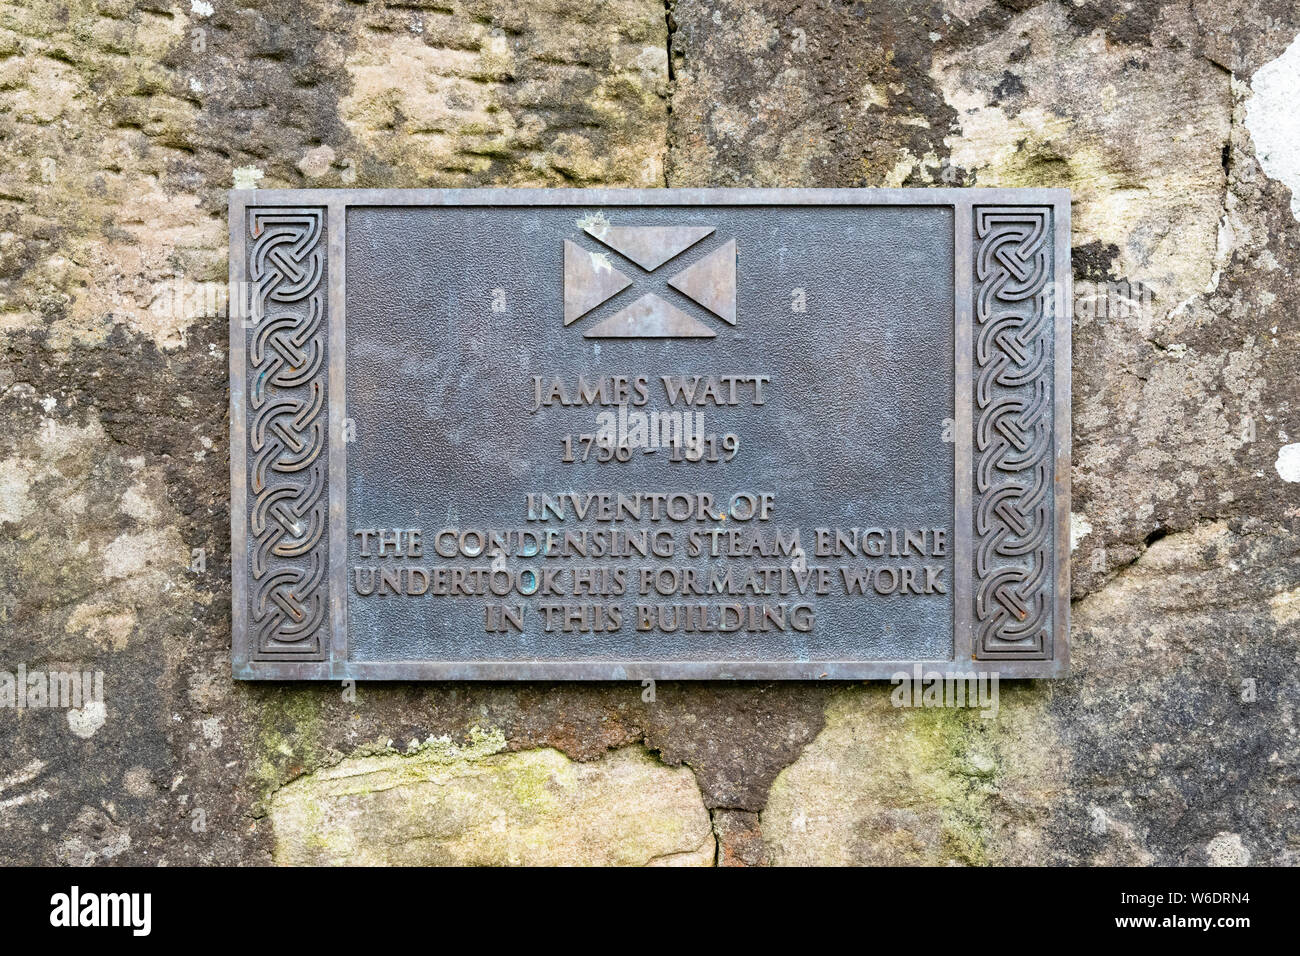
{"x":287,"y":434}
{"x":1013,"y":436}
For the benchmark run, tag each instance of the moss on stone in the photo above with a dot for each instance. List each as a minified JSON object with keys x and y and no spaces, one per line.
{"x":448,"y":803}
{"x":915,"y":785}
{"x":289,"y":739}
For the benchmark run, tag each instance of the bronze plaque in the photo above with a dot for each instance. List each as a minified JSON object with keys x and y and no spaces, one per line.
{"x":631,"y":434}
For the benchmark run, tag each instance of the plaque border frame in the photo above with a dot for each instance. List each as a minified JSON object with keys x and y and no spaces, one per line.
{"x":337,"y":666}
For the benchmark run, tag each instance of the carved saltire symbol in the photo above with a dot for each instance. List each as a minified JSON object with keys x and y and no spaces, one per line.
{"x":650,"y":317}
{"x":712,"y":282}
{"x":590,"y":280}
{"x":649,"y":246}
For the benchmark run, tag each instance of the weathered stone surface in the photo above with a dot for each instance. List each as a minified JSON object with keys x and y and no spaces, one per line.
{"x":557,"y":92}
{"x":1147,"y":184}
{"x":121,"y":126}
{"x":891,"y":786}
{"x":1175,"y":743}
{"x":445,"y":805}
{"x":124,"y":124}
{"x":769,"y":94}
{"x":740,"y":840}
{"x":1181,"y":724}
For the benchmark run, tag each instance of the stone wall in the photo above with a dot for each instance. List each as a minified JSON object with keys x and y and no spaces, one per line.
{"x":124,"y":122}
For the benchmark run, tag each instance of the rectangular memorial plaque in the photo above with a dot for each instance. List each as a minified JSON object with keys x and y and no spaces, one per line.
{"x":627,"y":434}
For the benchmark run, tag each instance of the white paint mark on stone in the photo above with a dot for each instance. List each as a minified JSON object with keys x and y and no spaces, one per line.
{"x":200,"y":8}
{"x":136,"y":503}
{"x":131,"y":554}
{"x":1079,"y":528}
{"x":315,"y":163}
{"x":653,"y":62}
{"x":15,"y":483}
{"x":195,"y":85}
{"x":247,"y":177}
{"x":138,"y":782}
{"x":1288,"y":462}
{"x":1224,"y":244}
{"x":88,"y":719}
{"x":211,"y":728}
{"x":1226,"y":849}
{"x":1274,"y":121}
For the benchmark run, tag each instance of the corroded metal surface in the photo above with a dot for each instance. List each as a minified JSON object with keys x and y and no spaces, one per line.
{"x":620,"y":434}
